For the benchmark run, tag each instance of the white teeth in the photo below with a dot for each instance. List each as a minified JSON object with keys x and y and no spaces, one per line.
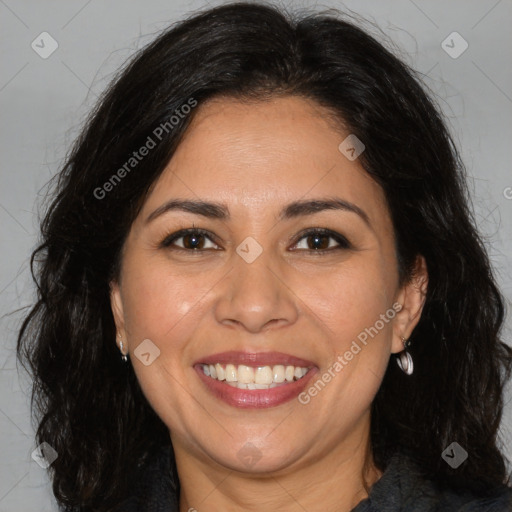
{"x":248,"y":377}
{"x":245,"y":374}
{"x":231,"y":375}
{"x":263,"y":375}
{"x":221,"y":373}
{"x":278,"y":373}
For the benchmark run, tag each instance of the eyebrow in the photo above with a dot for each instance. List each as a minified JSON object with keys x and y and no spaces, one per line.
{"x":219,"y":211}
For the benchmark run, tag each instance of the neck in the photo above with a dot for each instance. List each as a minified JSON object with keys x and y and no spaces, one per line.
{"x":332,"y":481}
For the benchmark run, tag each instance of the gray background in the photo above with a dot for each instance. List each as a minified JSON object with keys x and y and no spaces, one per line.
{"x":44,"y":101}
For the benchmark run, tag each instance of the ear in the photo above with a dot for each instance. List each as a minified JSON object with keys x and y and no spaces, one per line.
{"x":412,"y":298}
{"x":116,"y":305}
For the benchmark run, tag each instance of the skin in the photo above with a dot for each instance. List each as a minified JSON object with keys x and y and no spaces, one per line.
{"x":256,"y":157}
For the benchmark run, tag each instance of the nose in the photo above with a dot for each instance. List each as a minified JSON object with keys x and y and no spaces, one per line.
{"x":255,"y":296}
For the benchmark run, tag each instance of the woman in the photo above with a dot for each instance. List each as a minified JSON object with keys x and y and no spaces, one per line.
{"x":262,"y":218}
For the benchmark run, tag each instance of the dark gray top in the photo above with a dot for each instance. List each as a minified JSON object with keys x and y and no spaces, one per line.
{"x":401,"y":488}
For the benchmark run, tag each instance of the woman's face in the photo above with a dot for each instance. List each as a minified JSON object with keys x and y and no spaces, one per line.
{"x":258,"y":293}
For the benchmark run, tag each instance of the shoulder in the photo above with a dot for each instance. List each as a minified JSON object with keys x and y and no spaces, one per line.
{"x":403,"y":487}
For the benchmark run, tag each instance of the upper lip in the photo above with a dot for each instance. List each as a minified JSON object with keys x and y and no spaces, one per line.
{"x":255,"y":359}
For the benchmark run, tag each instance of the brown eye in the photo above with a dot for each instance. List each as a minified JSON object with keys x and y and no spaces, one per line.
{"x":189,"y":240}
{"x":193,"y":241}
{"x":322,"y":240}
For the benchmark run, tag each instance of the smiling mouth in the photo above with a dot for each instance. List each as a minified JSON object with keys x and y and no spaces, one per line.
{"x":254,"y":380}
{"x":254,"y":377}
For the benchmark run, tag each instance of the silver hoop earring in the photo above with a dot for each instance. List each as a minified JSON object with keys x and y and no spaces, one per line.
{"x":123,"y":356}
{"x":404,"y":359}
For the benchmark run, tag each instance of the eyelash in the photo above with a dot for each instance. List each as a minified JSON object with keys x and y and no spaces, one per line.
{"x":340,"y":239}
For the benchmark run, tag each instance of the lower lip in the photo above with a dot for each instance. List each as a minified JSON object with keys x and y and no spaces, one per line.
{"x":255,"y":398}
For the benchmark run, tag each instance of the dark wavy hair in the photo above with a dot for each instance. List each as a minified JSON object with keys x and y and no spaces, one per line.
{"x":88,"y":403}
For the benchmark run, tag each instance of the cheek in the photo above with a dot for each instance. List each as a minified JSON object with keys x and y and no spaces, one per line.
{"x":350,"y":299}
{"x":159,"y":297}
{"x":163,"y":305}
{"x":351,"y":305}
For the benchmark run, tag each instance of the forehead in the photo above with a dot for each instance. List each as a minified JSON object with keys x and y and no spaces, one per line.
{"x":258,"y":156}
